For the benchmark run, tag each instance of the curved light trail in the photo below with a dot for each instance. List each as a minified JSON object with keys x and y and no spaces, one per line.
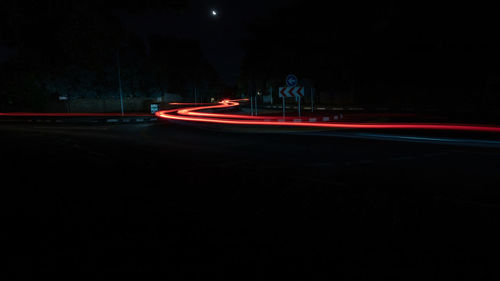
{"x":36,"y":114}
{"x":193,"y":114}
{"x":196,"y":112}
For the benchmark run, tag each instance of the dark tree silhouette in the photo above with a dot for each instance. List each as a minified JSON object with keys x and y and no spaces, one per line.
{"x":72,"y":48}
{"x":424,"y":56}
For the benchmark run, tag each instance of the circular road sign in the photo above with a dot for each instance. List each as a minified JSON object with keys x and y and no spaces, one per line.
{"x":291,"y":80}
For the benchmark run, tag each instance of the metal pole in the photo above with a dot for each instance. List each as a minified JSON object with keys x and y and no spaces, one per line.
{"x":251,"y":105}
{"x":283,"y":107}
{"x":312,"y":99}
{"x":255,"y":105}
{"x":195,"y":96}
{"x":299,"y":106}
{"x":119,"y":79}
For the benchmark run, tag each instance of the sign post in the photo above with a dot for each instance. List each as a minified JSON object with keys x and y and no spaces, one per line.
{"x":291,"y":81}
{"x":290,"y":92}
{"x":299,"y":105}
{"x":283,"y":106}
{"x":312,"y":99}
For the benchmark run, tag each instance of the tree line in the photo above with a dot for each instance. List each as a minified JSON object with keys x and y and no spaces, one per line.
{"x":75,"y":48}
{"x":428,"y":56}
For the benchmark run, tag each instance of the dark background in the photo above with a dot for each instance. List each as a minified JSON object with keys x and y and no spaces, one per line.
{"x":424,"y":57}
{"x":195,"y":202}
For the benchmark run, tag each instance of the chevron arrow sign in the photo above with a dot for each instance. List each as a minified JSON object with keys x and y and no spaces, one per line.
{"x":290,"y":92}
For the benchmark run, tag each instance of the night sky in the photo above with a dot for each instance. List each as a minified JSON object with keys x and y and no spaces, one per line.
{"x":4,"y":53}
{"x":220,"y":37}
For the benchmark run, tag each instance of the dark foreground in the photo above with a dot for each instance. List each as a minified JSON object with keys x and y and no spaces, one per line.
{"x":186,"y":203}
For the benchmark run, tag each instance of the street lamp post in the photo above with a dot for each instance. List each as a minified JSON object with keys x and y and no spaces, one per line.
{"x":195,"y":103}
{"x":119,"y":80}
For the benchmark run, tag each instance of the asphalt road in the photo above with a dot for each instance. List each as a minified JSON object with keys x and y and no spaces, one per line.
{"x":195,"y":203}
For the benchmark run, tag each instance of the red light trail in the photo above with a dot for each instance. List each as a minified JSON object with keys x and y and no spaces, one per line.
{"x":192,"y":114}
{"x":34,"y":114}
{"x":198,"y":113}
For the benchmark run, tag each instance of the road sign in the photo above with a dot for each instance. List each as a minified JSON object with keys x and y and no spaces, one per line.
{"x":289,"y":92}
{"x":155,"y":108}
{"x":291,"y":80}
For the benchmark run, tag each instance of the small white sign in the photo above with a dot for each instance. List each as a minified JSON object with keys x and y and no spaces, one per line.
{"x":155,"y":108}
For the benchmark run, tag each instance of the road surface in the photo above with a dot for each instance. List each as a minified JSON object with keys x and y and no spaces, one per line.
{"x":189,"y":202}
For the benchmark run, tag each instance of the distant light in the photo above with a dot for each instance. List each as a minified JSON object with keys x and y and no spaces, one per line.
{"x":214,"y":12}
